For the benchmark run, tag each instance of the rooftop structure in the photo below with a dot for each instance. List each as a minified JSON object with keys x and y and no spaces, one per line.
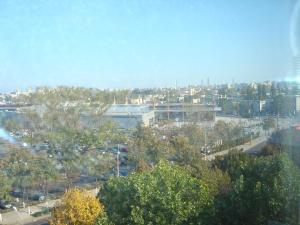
{"x":129,"y":116}
{"x":185,"y":112}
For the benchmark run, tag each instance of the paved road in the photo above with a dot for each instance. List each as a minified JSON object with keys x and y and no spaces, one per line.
{"x":40,"y":221}
{"x":22,"y":216}
{"x":252,"y":147}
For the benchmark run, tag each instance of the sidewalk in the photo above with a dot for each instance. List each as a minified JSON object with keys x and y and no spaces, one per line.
{"x":22,"y":216}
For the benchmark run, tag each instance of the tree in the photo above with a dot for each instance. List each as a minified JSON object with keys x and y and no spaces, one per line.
{"x":270,"y":149}
{"x":32,"y":124}
{"x":194,"y":133}
{"x":45,"y":173}
{"x":109,"y":133}
{"x":264,"y":189}
{"x":11,"y":125}
{"x":77,"y":207}
{"x":268,"y":123}
{"x":148,"y":145}
{"x":184,"y":152}
{"x":20,"y":167}
{"x":166,"y":195}
{"x":5,"y":185}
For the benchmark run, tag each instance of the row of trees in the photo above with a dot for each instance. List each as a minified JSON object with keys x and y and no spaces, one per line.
{"x":63,"y":94}
{"x":56,"y":137}
{"x":23,"y":171}
{"x":151,"y":145}
{"x":235,"y":189}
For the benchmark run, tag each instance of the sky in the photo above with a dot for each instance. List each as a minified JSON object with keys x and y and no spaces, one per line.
{"x":142,"y":43}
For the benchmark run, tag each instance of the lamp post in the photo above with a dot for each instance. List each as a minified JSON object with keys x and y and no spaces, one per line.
{"x":205,"y":145}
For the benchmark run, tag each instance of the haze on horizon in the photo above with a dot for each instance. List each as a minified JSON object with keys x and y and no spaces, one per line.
{"x":139,"y":43}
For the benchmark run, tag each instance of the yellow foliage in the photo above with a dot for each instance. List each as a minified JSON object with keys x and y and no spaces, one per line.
{"x":77,"y":207}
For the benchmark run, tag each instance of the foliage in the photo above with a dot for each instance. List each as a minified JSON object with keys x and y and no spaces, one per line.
{"x":5,"y":183}
{"x":185,"y":153}
{"x":77,"y":207}
{"x":20,"y":167}
{"x":270,"y":149}
{"x":166,"y":195}
{"x":264,"y":189}
{"x":147,"y":145}
{"x":268,"y":123}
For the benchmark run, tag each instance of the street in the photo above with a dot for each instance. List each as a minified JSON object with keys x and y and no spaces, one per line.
{"x":252,"y":147}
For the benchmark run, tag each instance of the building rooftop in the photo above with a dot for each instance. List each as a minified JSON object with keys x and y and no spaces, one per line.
{"x":127,"y":109}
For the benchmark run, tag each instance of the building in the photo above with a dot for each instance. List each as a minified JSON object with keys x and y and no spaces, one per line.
{"x":137,"y":101}
{"x":297,"y":103}
{"x":185,"y":112}
{"x":128,"y":116}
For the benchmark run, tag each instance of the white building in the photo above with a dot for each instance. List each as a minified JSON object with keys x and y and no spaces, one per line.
{"x":129,"y":115}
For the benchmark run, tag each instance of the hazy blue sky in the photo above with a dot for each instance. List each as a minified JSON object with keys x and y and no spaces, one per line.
{"x":142,"y":43}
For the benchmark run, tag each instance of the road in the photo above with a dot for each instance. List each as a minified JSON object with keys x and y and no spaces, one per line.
{"x":253,"y":147}
{"x":40,"y":221}
{"x":22,"y":216}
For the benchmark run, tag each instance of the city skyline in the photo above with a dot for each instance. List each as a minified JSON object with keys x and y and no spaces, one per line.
{"x":105,"y":44}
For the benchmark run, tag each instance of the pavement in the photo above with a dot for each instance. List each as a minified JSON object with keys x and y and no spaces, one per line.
{"x":22,"y":216}
{"x":251,"y":147}
{"x":41,"y":221}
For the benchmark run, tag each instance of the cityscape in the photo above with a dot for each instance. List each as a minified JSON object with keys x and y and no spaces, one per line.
{"x":149,"y":112}
{"x":56,"y":138}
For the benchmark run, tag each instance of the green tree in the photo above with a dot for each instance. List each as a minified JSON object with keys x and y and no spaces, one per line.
{"x":268,"y":123}
{"x":5,"y":185}
{"x":20,"y":167}
{"x":264,"y":189}
{"x":45,"y":173}
{"x":166,"y":195}
{"x":147,"y":144}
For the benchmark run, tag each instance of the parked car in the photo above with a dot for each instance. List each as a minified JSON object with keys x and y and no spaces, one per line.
{"x":17,"y":194}
{"x":5,"y":204}
{"x":124,"y":149}
{"x":38,"y":197}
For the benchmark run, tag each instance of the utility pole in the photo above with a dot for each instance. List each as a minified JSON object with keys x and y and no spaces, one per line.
{"x":118,"y":166}
{"x":277,"y":119}
{"x":205,"y":147}
{"x":168,"y":106}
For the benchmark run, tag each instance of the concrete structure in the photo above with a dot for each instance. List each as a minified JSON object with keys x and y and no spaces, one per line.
{"x":185,"y":112}
{"x":297,"y":104}
{"x":128,"y":116}
{"x":137,"y":101}
{"x":12,"y":107}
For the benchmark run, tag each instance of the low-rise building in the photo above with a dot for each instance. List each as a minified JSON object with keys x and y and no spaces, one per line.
{"x":185,"y":112}
{"x":128,"y":116}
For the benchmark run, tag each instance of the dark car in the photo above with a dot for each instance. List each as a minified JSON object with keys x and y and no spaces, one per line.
{"x":17,"y":194}
{"x":38,"y":197}
{"x":5,"y":204}
{"x":123,"y":149}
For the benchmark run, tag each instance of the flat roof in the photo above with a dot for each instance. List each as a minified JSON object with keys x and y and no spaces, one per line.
{"x":127,"y":109}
